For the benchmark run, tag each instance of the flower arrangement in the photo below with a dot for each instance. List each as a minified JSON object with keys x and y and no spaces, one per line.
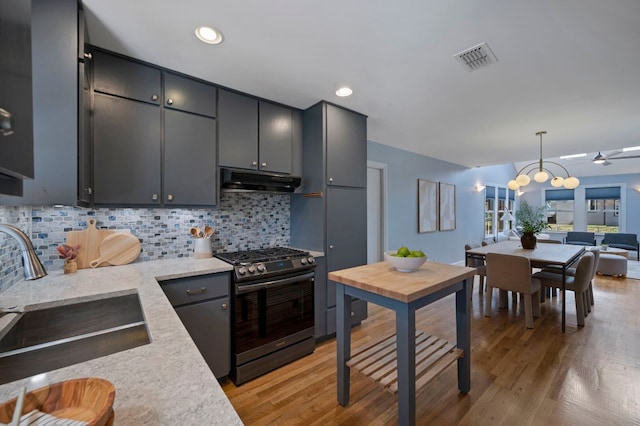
{"x":68,"y":252}
{"x":532,"y":219}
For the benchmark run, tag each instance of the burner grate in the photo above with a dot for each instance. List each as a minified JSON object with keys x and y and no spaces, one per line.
{"x":260,"y":255}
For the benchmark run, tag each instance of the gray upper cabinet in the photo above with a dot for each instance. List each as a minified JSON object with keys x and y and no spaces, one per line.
{"x":16,"y":116}
{"x":254,"y":134}
{"x":149,"y":151}
{"x":275,"y":138}
{"x":345,"y":151}
{"x":189,"y":95}
{"x":189,"y":162}
{"x":237,"y":130}
{"x":125,"y":78}
{"x":127,"y":151}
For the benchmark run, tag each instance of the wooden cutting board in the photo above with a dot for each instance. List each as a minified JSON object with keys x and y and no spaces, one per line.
{"x":89,"y":241}
{"x":117,"y":249}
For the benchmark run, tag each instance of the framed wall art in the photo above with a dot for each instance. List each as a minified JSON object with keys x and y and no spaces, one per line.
{"x":447,"y":207}
{"x":427,"y":206}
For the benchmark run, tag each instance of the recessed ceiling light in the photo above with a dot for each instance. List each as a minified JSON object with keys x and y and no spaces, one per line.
{"x":566,"y":157}
{"x":209,"y":35}
{"x":344,"y":91}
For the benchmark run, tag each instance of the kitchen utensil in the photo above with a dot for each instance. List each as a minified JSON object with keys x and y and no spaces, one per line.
{"x":208,"y":231}
{"x":89,"y":241}
{"x":89,"y":400}
{"x":199,"y":232}
{"x":118,"y":249}
{"x":194,"y":232}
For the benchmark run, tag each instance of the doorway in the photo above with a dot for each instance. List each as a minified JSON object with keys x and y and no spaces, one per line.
{"x":376,"y":211}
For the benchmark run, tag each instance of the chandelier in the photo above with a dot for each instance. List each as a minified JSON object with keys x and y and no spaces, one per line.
{"x":542,"y":173}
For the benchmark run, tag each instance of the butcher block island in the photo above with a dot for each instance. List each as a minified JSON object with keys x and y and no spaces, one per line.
{"x":163,"y":382}
{"x":410,"y":358}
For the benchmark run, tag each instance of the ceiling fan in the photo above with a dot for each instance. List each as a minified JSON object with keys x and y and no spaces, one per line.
{"x":603,"y":159}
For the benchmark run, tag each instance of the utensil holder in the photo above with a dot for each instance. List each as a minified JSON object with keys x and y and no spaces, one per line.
{"x":202,"y":248}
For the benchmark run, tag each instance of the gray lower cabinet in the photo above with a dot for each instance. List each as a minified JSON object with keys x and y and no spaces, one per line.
{"x":202,"y":303}
{"x":189,"y":162}
{"x":16,"y":116}
{"x":126,"y":151}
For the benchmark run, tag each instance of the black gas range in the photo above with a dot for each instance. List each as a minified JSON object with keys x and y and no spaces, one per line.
{"x":272,"y":309}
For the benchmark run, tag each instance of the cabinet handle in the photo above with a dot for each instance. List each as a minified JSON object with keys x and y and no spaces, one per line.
{"x":331,"y":247}
{"x":154,"y":197}
{"x":225,"y":306}
{"x":6,"y":123}
{"x":170,"y":101}
{"x":154,"y":97}
{"x":197,"y":291}
{"x":263,"y":164}
{"x":169,"y":197}
{"x":88,"y":191}
{"x":330,"y":179}
{"x":88,"y":55}
{"x":353,"y":314}
{"x":254,"y":163}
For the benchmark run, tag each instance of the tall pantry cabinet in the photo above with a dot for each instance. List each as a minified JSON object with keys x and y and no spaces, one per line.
{"x":330,"y":213}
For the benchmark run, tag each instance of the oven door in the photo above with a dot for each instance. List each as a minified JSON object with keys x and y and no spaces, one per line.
{"x":272,"y":315}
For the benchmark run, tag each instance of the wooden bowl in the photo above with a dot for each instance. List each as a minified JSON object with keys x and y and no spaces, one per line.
{"x":88,"y":399}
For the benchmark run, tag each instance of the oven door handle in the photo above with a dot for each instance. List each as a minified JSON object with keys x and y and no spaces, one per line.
{"x":241,"y":289}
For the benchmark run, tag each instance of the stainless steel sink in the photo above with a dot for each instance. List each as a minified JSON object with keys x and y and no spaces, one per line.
{"x":51,"y":338}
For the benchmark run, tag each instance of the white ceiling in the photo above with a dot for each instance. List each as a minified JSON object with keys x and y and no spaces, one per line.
{"x":570,"y":67}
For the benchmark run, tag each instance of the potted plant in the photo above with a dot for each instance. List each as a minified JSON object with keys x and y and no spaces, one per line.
{"x":532,"y":220}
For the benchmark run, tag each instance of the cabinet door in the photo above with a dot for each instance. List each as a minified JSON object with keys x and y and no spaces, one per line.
{"x":129,"y":79}
{"x":85,"y":187}
{"x":346,"y":227}
{"x":237,"y":130}
{"x":16,"y":117}
{"x":275,"y":138}
{"x":189,"y":159}
{"x":189,"y":95}
{"x":126,"y":143}
{"x":209,"y":328}
{"x":346,"y":148}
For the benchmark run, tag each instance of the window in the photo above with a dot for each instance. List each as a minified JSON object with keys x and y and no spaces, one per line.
{"x":603,"y":209}
{"x":497,"y":201}
{"x":559,"y":208}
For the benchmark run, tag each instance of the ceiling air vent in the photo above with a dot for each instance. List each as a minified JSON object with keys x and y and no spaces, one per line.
{"x":476,"y":57}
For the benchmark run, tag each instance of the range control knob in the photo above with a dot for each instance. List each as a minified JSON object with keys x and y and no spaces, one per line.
{"x":311,"y":260}
{"x":303,"y":261}
{"x":252,"y":269}
{"x":261,"y":268}
{"x":242,"y":270}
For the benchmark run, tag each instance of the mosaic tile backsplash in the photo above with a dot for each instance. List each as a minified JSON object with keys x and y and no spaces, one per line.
{"x":242,"y":221}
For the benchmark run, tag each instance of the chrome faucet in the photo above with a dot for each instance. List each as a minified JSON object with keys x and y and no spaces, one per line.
{"x":33,"y":269}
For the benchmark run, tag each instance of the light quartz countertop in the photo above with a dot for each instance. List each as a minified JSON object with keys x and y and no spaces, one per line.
{"x":166,"y":382}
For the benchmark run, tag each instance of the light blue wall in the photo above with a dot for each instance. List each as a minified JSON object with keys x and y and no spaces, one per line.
{"x":404,"y":168}
{"x":534,"y":194}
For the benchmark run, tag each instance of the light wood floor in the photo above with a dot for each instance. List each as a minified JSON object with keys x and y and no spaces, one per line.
{"x":587,"y":376}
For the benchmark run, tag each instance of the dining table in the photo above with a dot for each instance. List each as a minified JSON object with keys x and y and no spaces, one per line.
{"x":408,"y":360}
{"x":543,"y":255}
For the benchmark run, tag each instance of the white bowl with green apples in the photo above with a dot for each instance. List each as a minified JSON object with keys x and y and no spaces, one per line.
{"x":405,"y":260}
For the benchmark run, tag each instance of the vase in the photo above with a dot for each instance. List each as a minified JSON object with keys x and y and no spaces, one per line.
{"x":70,"y":266}
{"x":528,"y":240}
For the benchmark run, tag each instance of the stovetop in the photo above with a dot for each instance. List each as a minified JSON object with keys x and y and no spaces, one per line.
{"x":261,"y":255}
{"x":251,"y":265}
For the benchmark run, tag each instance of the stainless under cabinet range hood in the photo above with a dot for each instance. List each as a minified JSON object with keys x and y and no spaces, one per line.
{"x":257,"y":181}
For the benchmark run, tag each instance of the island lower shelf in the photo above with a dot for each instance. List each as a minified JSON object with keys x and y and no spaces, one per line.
{"x":378,"y":361}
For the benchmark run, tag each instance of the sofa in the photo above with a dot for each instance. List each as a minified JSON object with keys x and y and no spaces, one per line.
{"x":622,"y":241}
{"x":580,"y":238}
